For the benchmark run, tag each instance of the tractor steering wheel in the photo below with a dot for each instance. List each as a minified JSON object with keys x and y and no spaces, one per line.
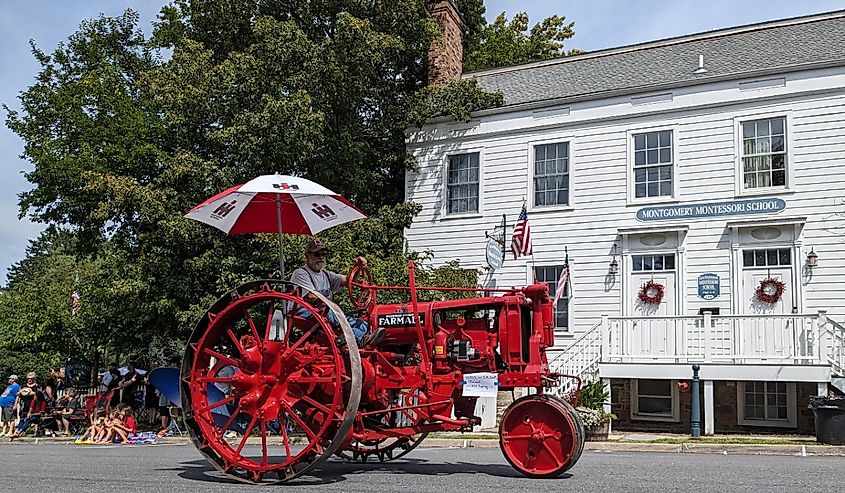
{"x":361,"y":278}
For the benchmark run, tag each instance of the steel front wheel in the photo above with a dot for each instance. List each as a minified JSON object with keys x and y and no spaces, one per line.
{"x":541,"y":436}
{"x":269,"y":385}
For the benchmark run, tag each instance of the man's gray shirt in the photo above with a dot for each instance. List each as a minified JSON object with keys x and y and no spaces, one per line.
{"x":324,"y":282}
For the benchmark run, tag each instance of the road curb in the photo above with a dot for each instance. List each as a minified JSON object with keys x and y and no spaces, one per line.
{"x":724,"y":449}
{"x":809,"y":450}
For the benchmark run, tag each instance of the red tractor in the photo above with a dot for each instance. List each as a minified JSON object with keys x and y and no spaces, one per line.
{"x":268,"y":364}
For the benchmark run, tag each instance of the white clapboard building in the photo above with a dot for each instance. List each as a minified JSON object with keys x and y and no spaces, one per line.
{"x":709,"y":168}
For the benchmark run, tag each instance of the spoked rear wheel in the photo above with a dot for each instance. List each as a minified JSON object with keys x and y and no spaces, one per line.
{"x":541,"y":436}
{"x":270,"y":367}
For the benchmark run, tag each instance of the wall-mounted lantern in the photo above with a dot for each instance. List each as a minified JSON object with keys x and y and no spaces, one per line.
{"x":613,"y":268}
{"x":812,"y":259}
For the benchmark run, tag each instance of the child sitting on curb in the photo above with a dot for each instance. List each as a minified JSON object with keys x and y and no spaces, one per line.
{"x":98,"y":424}
{"x":113,"y":426}
{"x":121,"y":426}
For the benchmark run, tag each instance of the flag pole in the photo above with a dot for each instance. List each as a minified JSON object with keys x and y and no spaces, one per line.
{"x":533,"y":260}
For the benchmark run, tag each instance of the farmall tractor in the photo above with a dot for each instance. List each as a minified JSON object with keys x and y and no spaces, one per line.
{"x":289,"y":377}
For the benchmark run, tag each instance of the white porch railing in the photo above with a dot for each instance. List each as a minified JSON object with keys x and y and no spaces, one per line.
{"x":734,"y":339}
{"x":794,"y":339}
{"x":581,"y":358}
{"x":835,"y":337}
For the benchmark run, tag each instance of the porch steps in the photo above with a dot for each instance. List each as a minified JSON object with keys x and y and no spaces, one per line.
{"x":839,"y":384}
{"x":580,"y":359}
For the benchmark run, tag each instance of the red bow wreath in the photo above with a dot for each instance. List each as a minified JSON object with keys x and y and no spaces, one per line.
{"x":651,"y":293}
{"x":770,"y":290}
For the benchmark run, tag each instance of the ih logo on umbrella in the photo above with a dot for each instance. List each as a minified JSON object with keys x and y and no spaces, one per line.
{"x":223,"y":210}
{"x":324,"y":212}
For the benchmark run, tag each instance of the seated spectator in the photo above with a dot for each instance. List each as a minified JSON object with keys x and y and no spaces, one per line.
{"x":31,"y":400}
{"x":67,"y":406}
{"x":98,"y":424}
{"x":121,"y":425}
{"x":7,"y":406}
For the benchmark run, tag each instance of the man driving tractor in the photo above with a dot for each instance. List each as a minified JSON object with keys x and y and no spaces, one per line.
{"x":313,"y":276}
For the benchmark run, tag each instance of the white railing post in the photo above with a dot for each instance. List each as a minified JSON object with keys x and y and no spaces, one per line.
{"x":708,"y":350}
{"x":605,"y":338}
{"x":823,"y":333}
{"x":814,"y":330}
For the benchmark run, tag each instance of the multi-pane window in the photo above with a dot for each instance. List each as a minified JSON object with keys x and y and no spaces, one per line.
{"x":772,"y":257}
{"x":550,"y":276}
{"x":654,"y":398}
{"x":653,"y":163}
{"x":657,"y":262}
{"x":765,"y":401}
{"x":462,"y":184}
{"x":551,"y":174}
{"x":764,"y":153}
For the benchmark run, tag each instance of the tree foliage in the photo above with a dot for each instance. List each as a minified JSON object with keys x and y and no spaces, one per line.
{"x":504,"y":42}
{"x":123,"y":141}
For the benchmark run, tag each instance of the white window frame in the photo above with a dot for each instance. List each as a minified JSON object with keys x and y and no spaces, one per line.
{"x":444,"y":208}
{"x":632,"y":198}
{"x":531,"y":279}
{"x":561,"y":139}
{"x":635,"y":404}
{"x":655,"y":253}
{"x":791,"y":409}
{"x":789,"y":187}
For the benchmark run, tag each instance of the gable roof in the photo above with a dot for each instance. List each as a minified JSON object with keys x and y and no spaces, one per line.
{"x":748,"y":51}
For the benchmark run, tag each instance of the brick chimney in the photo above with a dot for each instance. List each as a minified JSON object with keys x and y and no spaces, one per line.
{"x":446,"y":54}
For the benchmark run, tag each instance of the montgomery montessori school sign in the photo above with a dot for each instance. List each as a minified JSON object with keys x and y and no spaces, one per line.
{"x":708,"y":286}
{"x":712,"y":209}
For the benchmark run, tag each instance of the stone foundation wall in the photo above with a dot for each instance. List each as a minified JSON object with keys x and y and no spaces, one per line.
{"x":620,"y":399}
{"x":725,"y":411}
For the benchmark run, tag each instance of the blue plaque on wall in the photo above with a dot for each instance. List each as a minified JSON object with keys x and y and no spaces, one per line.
{"x":708,"y":286}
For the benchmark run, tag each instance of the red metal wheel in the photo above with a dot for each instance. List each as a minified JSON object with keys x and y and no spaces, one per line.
{"x":357,"y":285}
{"x":261,"y":362}
{"x":579,"y":428}
{"x":541,"y":436}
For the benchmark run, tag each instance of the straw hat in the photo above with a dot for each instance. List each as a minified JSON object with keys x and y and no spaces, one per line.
{"x":26,"y":392}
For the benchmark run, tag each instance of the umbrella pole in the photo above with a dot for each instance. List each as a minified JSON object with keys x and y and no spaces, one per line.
{"x":281,"y":237}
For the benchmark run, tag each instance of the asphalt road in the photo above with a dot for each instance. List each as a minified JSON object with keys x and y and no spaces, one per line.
{"x":70,"y":468}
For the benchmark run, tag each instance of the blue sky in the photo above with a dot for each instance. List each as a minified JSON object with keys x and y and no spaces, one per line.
{"x":598,"y":24}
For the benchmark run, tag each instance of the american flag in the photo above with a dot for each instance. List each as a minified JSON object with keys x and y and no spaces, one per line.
{"x":561,"y":282}
{"x":521,"y":241}
{"x":76,"y":302}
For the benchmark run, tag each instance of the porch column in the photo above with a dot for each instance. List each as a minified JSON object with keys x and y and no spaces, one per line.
{"x":821,"y":388}
{"x":607,"y":407}
{"x":709,"y":408}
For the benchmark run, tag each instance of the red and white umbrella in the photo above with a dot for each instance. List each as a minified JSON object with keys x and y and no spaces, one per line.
{"x":276,"y":204}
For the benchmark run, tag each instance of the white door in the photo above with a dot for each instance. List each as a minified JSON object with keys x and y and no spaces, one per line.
{"x":655,"y":337}
{"x":767,"y":337}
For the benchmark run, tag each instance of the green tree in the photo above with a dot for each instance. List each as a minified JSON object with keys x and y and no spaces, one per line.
{"x":504,"y":42}
{"x":123,"y":141}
